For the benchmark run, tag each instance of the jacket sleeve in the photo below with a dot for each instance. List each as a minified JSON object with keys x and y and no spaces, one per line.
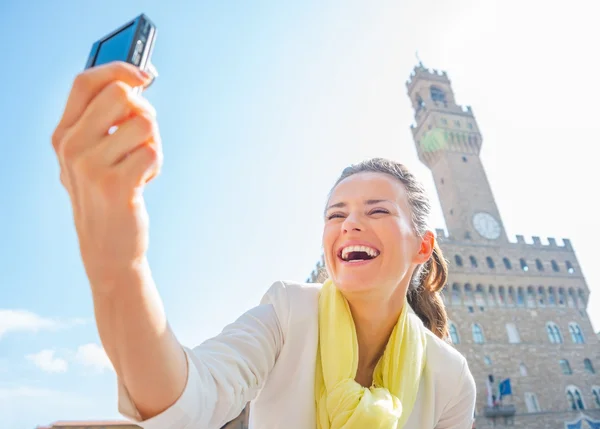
{"x":224,"y":372}
{"x":460,"y":411}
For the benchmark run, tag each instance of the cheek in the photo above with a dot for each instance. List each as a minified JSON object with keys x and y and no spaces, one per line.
{"x":329,"y":237}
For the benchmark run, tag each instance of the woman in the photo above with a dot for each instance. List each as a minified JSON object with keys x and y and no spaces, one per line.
{"x":364,"y":350}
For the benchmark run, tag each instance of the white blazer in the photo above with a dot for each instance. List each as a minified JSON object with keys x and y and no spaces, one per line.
{"x":268,"y":357}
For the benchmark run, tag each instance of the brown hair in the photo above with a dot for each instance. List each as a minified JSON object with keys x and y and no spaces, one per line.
{"x":429,"y":278}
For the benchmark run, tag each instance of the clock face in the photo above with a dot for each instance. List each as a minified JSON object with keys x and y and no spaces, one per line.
{"x":487,"y":225}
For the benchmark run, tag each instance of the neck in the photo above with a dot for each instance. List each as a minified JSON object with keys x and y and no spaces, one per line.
{"x":374,"y":320}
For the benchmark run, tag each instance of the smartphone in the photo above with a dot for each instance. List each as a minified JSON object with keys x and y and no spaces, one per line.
{"x":133,"y":42}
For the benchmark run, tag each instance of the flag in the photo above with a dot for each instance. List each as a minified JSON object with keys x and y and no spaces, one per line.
{"x":505,"y":388}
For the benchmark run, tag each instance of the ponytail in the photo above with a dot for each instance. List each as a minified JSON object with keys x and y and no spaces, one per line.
{"x":424,"y":293}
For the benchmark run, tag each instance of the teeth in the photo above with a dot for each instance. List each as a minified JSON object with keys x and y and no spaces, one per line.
{"x":370,"y":251}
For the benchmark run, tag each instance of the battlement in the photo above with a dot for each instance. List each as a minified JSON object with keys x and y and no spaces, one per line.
{"x":456,"y":109}
{"x":421,"y":72}
{"x":537,"y":242}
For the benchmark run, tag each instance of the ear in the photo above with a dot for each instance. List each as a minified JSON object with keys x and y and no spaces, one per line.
{"x":427,"y":243}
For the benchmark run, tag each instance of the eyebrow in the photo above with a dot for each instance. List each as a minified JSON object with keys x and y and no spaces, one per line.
{"x":367,"y":202}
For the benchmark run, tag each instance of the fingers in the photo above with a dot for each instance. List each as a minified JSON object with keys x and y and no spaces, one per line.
{"x":113,"y":105}
{"x":135,"y":131}
{"x":141,"y":165}
{"x":88,"y":85}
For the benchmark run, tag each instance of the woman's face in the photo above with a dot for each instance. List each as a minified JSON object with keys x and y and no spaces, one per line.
{"x":368,"y":239}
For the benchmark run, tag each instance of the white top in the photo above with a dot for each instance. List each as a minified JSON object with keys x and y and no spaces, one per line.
{"x":268,"y":356}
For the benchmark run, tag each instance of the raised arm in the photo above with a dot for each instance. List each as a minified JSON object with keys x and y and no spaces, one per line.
{"x":105,"y":174}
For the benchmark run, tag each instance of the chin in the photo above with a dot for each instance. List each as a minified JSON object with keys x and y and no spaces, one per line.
{"x":354,"y":283}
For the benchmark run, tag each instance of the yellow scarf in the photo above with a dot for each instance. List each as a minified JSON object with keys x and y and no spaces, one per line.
{"x":342,"y":403}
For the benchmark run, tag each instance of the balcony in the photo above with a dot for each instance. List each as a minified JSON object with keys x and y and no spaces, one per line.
{"x":500,"y":411}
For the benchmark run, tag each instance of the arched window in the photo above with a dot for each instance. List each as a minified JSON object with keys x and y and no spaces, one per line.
{"x":458,"y":260}
{"x":576,"y":334}
{"x":531,"y":402}
{"x":570,"y":268}
{"x":454,"y":334}
{"x":541,"y":296}
{"x":501,"y":296}
{"x":562,"y":299}
{"x":539,"y":265}
{"x":420,"y":103}
{"x":596,"y":393}
{"x":554,"y":334}
{"x":587,"y":364}
{"x":574,"y":398}
{"x":520,"y":297}
{"x":469,"y":294}
{"x":530,"y":297}
{"x":507,"y":263}
{"x":456,"y":294}
{"x":510,"y":299}
{"x":478,"y":337}
{"x":551,"y":297}
{"x":513,"y":333}
{"x":565,"y":367}
{"x":571,"y":298}
{"x":437,"y":94}
{"x":554,"y":266}
{"x":479,"y":296}
{"x":582,"y":298}
{"x":473,"y":261}
{"x":490,"y":262}
{"x":523,"y":369}
{"x":492,"y":297}
{"x":524,"y":265}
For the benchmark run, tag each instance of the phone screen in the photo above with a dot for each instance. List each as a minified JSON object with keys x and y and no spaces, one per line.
{"x":115,"y":48}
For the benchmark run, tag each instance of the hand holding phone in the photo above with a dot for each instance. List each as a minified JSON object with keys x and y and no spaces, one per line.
{"x":105,"y":173}
{"x":133,"y":43}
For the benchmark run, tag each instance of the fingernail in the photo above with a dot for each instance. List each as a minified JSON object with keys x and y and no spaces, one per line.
{"x":145,"y":75}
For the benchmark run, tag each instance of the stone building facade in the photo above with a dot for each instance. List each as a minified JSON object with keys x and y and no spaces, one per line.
{"x":517,"y":309}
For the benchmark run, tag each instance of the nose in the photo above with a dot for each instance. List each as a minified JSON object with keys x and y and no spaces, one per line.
{"x":352,"y":223}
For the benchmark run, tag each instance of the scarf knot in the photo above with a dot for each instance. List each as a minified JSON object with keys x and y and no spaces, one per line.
{"x":342,"y":403}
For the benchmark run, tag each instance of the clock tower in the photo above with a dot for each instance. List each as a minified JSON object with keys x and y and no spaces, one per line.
{"x":448,"y":142}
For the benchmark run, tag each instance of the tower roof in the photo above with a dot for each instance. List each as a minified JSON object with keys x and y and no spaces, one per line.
{"x":421,"y":72}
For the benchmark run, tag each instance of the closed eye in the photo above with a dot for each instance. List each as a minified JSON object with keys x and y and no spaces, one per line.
{"x":375,"y":211}
{"x":335,"y":215}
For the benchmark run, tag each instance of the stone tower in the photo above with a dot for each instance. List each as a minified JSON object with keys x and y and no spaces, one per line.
{"x":448,"y":142}
{"x":517,"y":308}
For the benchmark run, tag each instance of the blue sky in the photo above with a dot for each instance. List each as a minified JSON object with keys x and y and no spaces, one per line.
{"x":261,"y":105}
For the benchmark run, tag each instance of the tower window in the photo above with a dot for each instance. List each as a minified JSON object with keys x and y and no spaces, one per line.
{"x":478,"y":334}
{"x":570,"y":268}
{"x":470,"y":125}
{"x":554,"y":334}
{"x":454,"y":334}
{"x":539,"y":265}
{"x":551,"y":297}
{"x":520,"y":297}
{"x":442,"y":181}
{"x":554,"y":266}
{"x":420,"y":103}
{"x":524,"y":265}
{"x":532,"y":403}
{"x":507,"y":263}
{"x":458,"y":260}
{"x":576,"y":334}
{"x":487,"y":360}
{"x":574,"y":398}
{"x":565,"y":367}
{"x":513,"y":333}
{"x":457,"y":124}
{"x":490,"y":262}
{"x":523,"y":369}
{"x":464,"y":158}
{"x":444,"y":121}
{"x":473,"y":261}
{"x":588,"y":366}
{"x":596,"y":393}
{"x":437,"y":94}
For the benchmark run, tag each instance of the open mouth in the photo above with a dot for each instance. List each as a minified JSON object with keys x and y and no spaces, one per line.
{"x":358,"y":253}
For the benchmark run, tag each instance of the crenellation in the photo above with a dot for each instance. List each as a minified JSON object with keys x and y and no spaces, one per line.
{"x":567,"y":244}
{"x":536,"y":240}
{"x":521,"y":239}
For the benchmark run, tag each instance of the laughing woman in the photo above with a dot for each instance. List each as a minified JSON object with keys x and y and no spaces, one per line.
{"x":364,"y":350}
